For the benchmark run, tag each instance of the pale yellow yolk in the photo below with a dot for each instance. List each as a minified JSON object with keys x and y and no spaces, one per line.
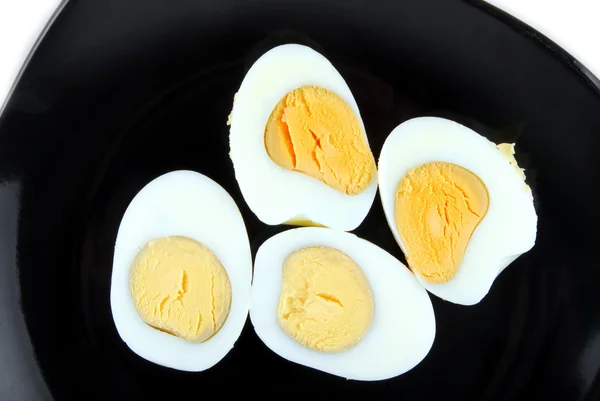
{"x":301,"y":220}
{"x":179,"y":286}
{"x":508,"y":151}
{"x":437,"y":207}
{"x":326,"y":302}
{"x":314,"y":131}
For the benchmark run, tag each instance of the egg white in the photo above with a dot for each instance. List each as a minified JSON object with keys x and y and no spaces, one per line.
{"x":273,"y":193}
{"x":403,"y":327}
{"x":182,"y":203}
{"x":510,"y":225}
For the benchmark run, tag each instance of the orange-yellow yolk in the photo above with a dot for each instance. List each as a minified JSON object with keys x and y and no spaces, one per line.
{"x":438,"y":205}
{"x":326,"y":302}
{"x":179,"y":286}
{"x":312,"y":130}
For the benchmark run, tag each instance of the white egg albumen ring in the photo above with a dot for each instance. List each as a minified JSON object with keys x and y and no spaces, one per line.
{"x":273,"y":193}
{"x":182,"y":203}
{"x":403,"y":327}
{"x":510,"y":225}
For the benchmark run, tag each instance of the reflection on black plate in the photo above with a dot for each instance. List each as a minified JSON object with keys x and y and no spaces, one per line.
{"x":120,"y":92}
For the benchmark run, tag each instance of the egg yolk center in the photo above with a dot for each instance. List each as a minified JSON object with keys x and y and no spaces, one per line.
{"x":312,"y":130}
{"x":326,"y":302}
{"x":438,"y":205}
{"x":179,"y":286}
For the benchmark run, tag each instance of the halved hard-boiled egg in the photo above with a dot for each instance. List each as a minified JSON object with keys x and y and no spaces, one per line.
{"x":337,"y":303}
{"x":458,"y":206}
{"x":298,"y":143}
{"x":182,"y":272}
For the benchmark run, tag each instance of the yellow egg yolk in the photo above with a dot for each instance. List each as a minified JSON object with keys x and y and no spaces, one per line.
{"x":508,"y":151}
{"x":312,"y":130}
{"x":437,"y":208}
{"x":326,"y":302}
{"x":179,"y":286}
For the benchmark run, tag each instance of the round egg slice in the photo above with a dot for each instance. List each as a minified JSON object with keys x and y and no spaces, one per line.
{"x":182,"y":271}
{"x":334,"y":302}
{"x":298,"y":144}
{"x":457,"y":205}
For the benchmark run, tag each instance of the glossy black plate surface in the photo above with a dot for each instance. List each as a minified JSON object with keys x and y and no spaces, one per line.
{"x":121,"y":91}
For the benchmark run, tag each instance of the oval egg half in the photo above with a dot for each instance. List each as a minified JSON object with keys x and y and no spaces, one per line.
{"x":399,"y":332}
{"x":310,"y":85}
{"x":190,"y":212}
{"x":450,"y":194}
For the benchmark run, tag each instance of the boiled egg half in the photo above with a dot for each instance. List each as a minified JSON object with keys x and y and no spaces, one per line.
{"x":337,"y":303}
{"x":298,"y":143}
{"x":457,"y":204}
{"x":182,"y":270}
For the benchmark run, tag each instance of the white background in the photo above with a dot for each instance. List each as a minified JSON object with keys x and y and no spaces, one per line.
{"x":572,"y":24}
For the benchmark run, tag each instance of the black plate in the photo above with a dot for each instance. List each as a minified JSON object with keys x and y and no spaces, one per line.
{"x":121,"y":91}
